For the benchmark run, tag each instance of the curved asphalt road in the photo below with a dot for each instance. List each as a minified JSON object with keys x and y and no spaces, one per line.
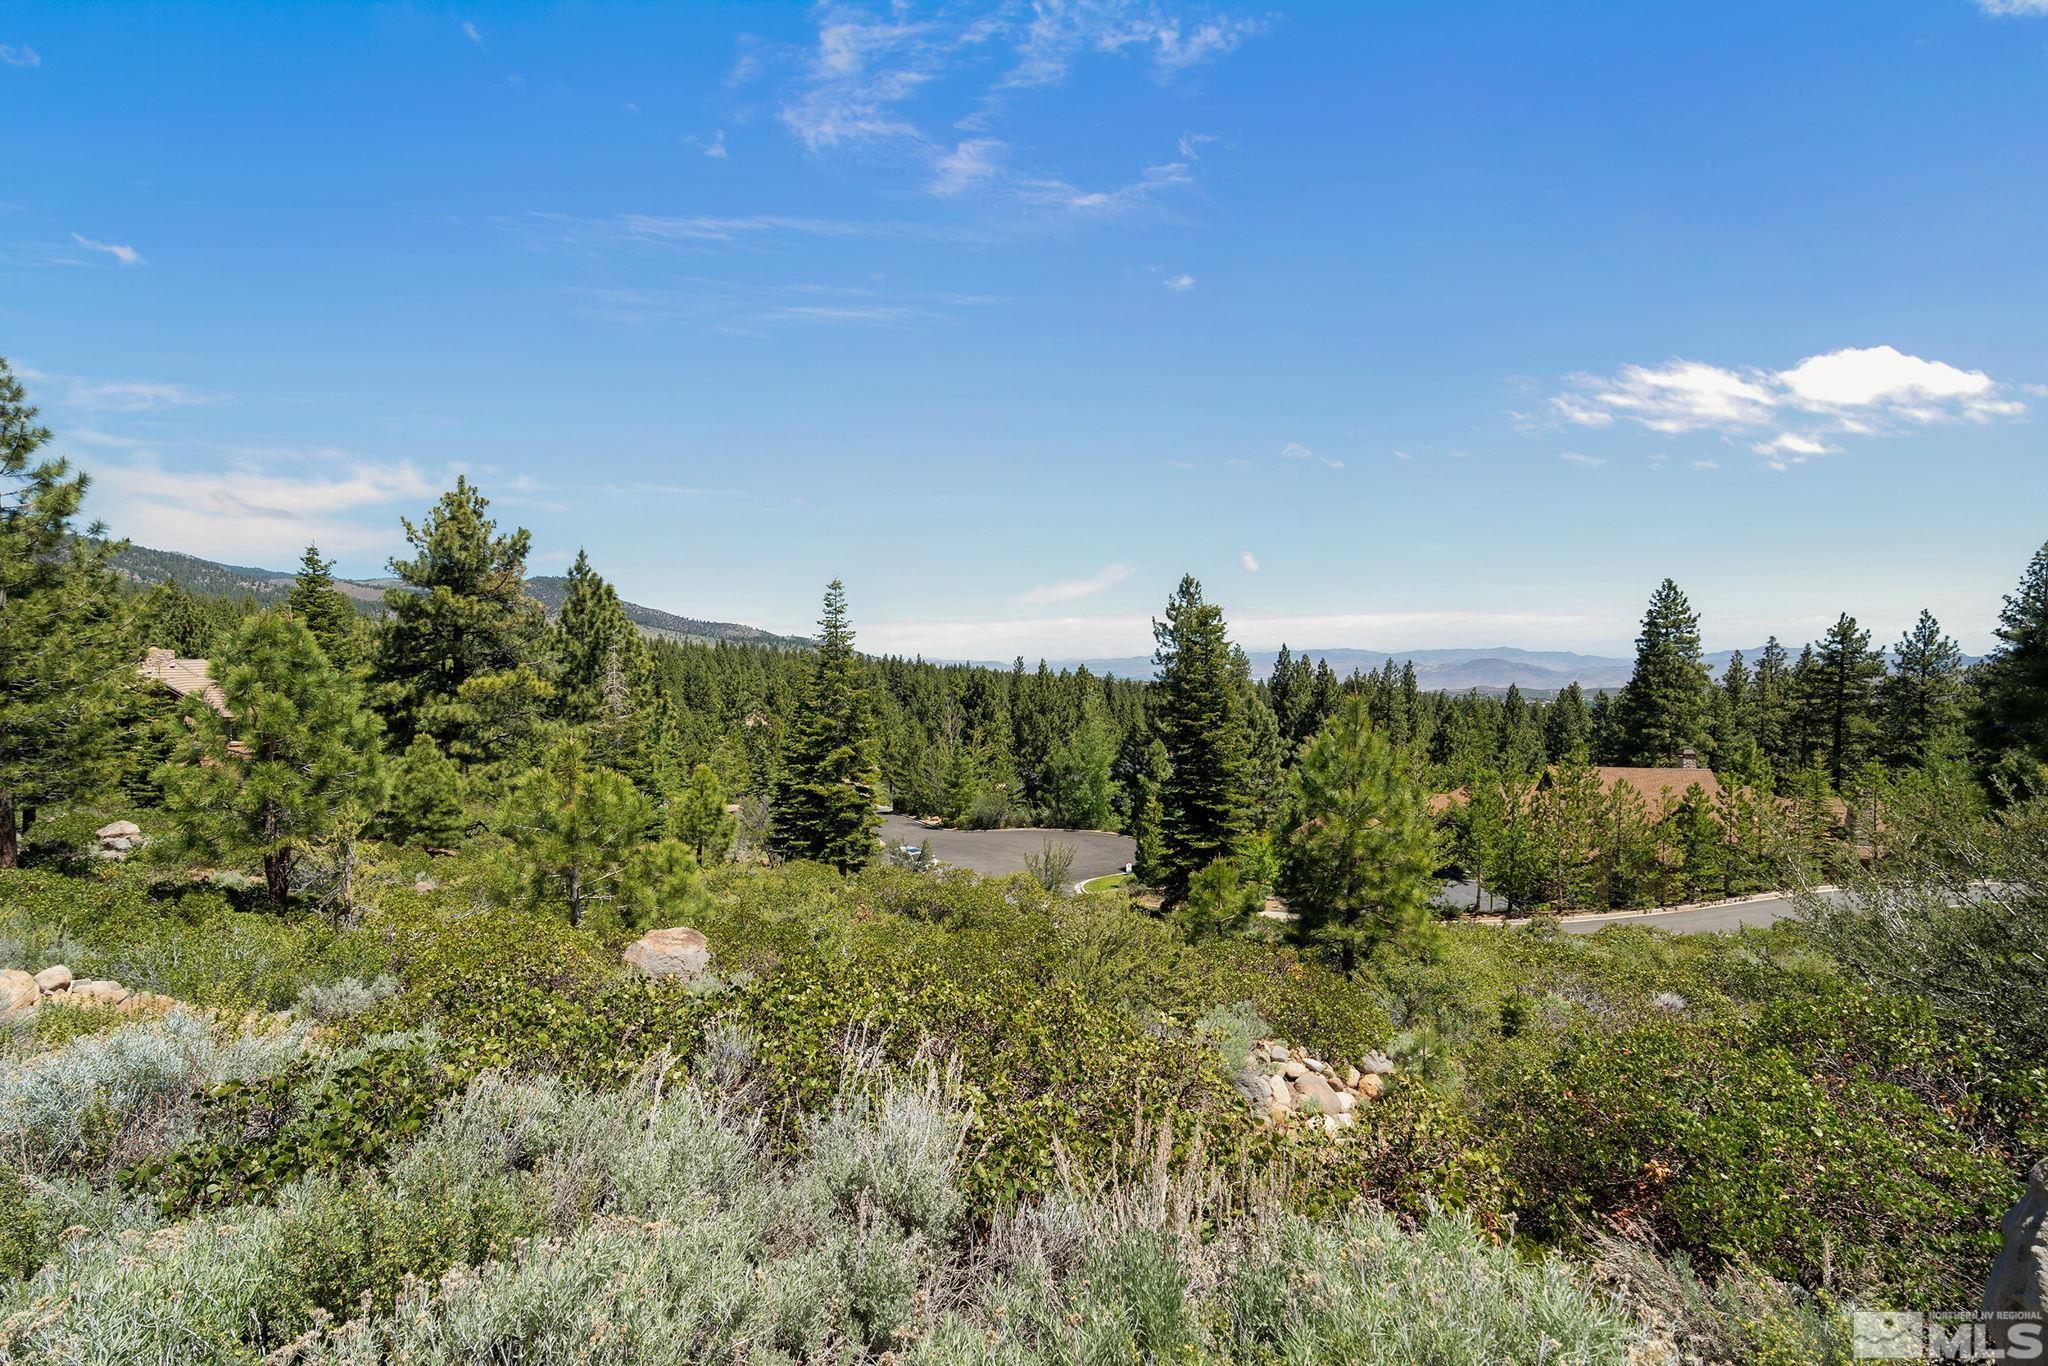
{"x":998,"y":853}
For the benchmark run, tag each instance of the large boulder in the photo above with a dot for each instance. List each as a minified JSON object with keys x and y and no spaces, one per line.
{"x":119,"y":830}
{"x":18,"y":991}
{"x":100,"y":992}
{"x":680,"y":953}
{"x":1310,"y":1089}
{"x":57,"y":978}
{"x":2019,"y":1278}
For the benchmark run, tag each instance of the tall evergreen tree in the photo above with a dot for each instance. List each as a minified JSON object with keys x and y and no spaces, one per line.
{"x":1148,"y":815}
{"x":64,"y":653}
{"x":462,"y":650}
{"x":1734,"y":709}
{"x":824,"y":806}
{"x":2012,"y":684}
{"x":604,"y":683}
{"x":1359,"y":849}
{"x":1567,"y":728}
{"x":1199,"y":717}
{"x":1920,"y":702}
{"x":1292,"y":690}
{"x":327,"y":612}
{"x":1665,"y":708}
{"x":1839,"y":697}
{"x":294,"y":765}
{"x":1771,"y":704}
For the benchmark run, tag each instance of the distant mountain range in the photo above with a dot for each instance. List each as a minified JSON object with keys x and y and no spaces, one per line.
{"x":1537,"y":672}
{"x":211,"y":579}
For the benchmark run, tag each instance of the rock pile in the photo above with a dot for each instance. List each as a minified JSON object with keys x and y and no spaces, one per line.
{"x":22,"y":992}
{"x":117,"y":839}
{"x":1304,"y":1089}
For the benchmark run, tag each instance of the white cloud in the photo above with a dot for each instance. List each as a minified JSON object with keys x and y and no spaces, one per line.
{"x":713,"y":147}
{"x":1073,"y":590}
{"x":124,"y":396}
{"x":126,"y":255}
{"x":20,"y":56}
{"x":1058,"y":194}
{"x":256,"y":512}
{"x":1249,"y":561}
{"x":1191,"y":144}
{"x":2011,"y":8}
{"x":859,"y":88}
{"x":1857,"y":391}
{"x":1295,"y":450}
{"x":1592,"y":462}
{"x":1792,"y":448}
{"x":1874,"y":376}
{"x":1180,"y":284}
{"x":1060,"y":33}
{"x":972,"y":162}
{"x":1706,"y":464}
{"x":469,"y":31}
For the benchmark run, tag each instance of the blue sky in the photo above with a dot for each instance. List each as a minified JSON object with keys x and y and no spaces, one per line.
{"x":1399,"y":325}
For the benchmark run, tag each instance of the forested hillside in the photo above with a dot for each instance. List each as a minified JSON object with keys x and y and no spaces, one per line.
{"x":485,"y":982}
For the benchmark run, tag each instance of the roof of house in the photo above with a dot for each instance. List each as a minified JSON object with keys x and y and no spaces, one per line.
{"x":183,"y":677}
{"x":1653,"y":785}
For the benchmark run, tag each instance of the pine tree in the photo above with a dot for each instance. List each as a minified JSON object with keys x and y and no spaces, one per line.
{"x":1665,"y":708}
{"x":1359,"y":853}
{"x":426,"y":805}
{"x":1839,"y":697}
{"x":327,"y":612}
{"x":170,"y":617}
{"x":1198,"y":714}
{"x":297,"y":765}
{"x":1080,"y":792}
{"x":64,"y":653}
{"x":461,"y":656}
{"x":1920,"y":702}
{"x":1734,"y":710}
{"x":580,"y":847}
{"x":2011,"y":722}
{"x":1567,"y":728}
{"x":1148,"y":815}
{"x":1772,"y":703}
{"x":697,"y":817}
{"x":824,"y":806}
{"x":1293,"y":696}
{"x":1696,"y":843}
{"x":604,"y":682}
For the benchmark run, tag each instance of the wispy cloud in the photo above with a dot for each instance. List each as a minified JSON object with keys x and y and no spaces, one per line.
{"x":2013,"y":8}
{"x":1857,"y":391}
{"x":1591,"y":462}
{"x":1073,"y":590}
{"x":713,"y":146}
{"x":860,"y":87}
{"x":22,"y":55}
{"x":469,"y":31}
{"x":1249,"y":561}
{"x":1295,"y":450}
{"x":123,"y":396}
{"x":639,"y":490}
{"x":126,"y":255}
{"x":1180,"y":284}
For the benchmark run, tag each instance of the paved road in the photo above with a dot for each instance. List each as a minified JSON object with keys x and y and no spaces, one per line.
{"x":995,"y":853}
{"x":1699,"y":920}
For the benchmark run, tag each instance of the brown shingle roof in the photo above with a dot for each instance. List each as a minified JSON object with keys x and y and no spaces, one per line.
{"x":183,"y":677}
{"x":1653,"y":785}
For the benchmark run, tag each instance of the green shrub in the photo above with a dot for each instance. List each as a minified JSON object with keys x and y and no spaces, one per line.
{"x":28,"y":1231}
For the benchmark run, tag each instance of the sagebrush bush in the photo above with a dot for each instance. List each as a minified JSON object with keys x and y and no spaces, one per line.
{"x":108,"y":1098}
